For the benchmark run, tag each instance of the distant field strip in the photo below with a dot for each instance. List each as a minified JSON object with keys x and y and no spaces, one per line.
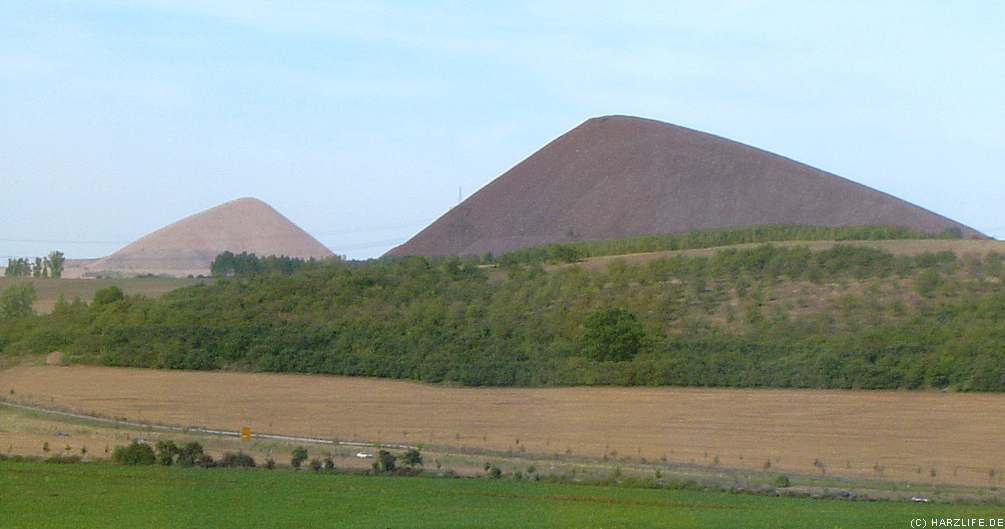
{"x":49,"y":290}
{"x":895,"y":247}
{"x":192,"y":430}
{"x":910,"y":436}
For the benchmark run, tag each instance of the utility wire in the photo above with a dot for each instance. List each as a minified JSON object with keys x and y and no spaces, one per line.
{"x":366,"y":245}
{"x":54,"y":241}
{"x":376,"y":228}
{"x":325,"y":232}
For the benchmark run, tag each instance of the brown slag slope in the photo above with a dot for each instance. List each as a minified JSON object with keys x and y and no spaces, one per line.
{"x":190,"y":245}
{"x":617,"y":176}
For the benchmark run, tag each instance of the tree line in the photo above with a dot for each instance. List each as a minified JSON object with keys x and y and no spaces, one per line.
{"x":243,"y":264}
{"x":42,"y":267}
{"x":166,"y":452}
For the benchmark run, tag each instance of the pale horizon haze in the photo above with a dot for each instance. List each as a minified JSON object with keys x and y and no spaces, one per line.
{"x":361,"y":122}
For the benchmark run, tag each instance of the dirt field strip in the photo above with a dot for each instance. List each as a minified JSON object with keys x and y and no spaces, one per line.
{"x":195,"y":430}
{"x":926,"y":437}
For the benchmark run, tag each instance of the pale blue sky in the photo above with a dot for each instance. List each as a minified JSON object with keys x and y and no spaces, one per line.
{"x":360,"y":122}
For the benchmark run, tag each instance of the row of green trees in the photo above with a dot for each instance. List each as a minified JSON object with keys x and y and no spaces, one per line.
{"x":167,"y":453}
{"x":243,"y":264}
{"x":192,"y":454}
{"x":42,"y":267}
{"x":846,"y":317}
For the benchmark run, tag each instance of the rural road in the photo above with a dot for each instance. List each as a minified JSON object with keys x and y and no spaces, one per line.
{"x":204,"y":431}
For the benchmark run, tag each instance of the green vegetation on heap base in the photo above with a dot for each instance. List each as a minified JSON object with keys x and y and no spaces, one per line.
{"x":570,"y":251}
{"x":104,"y":496}
{"x":845,"y":317}
{"x":230,"y":264}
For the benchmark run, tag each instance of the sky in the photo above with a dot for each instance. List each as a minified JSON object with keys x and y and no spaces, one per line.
{"x":362,"y":122}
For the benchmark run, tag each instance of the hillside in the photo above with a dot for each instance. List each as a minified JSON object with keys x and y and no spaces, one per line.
{"x":891,"y":314}
{"x":188,"y":247}
{"x":616,"y":176}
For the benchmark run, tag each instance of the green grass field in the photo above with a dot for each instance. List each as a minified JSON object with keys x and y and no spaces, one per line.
{"x":41,"y":496}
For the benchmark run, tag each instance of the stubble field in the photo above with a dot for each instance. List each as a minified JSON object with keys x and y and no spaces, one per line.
{"x":926,"y":437}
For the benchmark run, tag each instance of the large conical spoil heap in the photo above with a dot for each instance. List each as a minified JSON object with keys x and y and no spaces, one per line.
{"x":189,"y":246}
{"x":618,"y":176}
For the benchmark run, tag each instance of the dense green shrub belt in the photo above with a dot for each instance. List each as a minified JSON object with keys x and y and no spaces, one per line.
{"x":846,"y":317}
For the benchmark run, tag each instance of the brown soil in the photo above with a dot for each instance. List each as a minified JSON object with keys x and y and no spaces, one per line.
{"x":876,"y":434}
{"x":54,"y":358}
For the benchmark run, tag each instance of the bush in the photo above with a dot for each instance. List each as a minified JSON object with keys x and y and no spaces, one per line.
{"x":136,"y":453}
{"x":191,"y":455}
{"x":495,"y":472}
{"x":412,"y":458}
{"x":298,"y":456}
{"x":16,"y":301}
{"x":166,"y":452}
{"x":329,"y":464}
{"x":386,"y":462}
{"x":238,"y":460}
{"x":316,"y":465}
{"x":612,"y":335}
{"x":108,"y":295}
{"x":781,"y":481}
{"x":205,"y":461}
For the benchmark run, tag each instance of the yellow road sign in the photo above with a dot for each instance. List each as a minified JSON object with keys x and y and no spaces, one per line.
{"x":245,"y":433}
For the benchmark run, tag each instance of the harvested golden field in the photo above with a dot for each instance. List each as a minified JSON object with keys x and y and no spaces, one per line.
{"x":49,"y":290}
{"x":30,"y":434}
{"x":915,"y":436}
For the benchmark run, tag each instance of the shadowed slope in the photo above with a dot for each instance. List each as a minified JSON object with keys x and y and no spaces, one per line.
{"x":190,"y":245}
{"x":616,"y":176}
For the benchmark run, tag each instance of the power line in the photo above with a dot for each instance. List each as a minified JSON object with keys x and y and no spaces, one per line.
{"x":375,"y":228}
{"x":54,"y":241}
{"x":367,"y":245}
{"x":341,"y":248}
{"x":350,"y":231}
